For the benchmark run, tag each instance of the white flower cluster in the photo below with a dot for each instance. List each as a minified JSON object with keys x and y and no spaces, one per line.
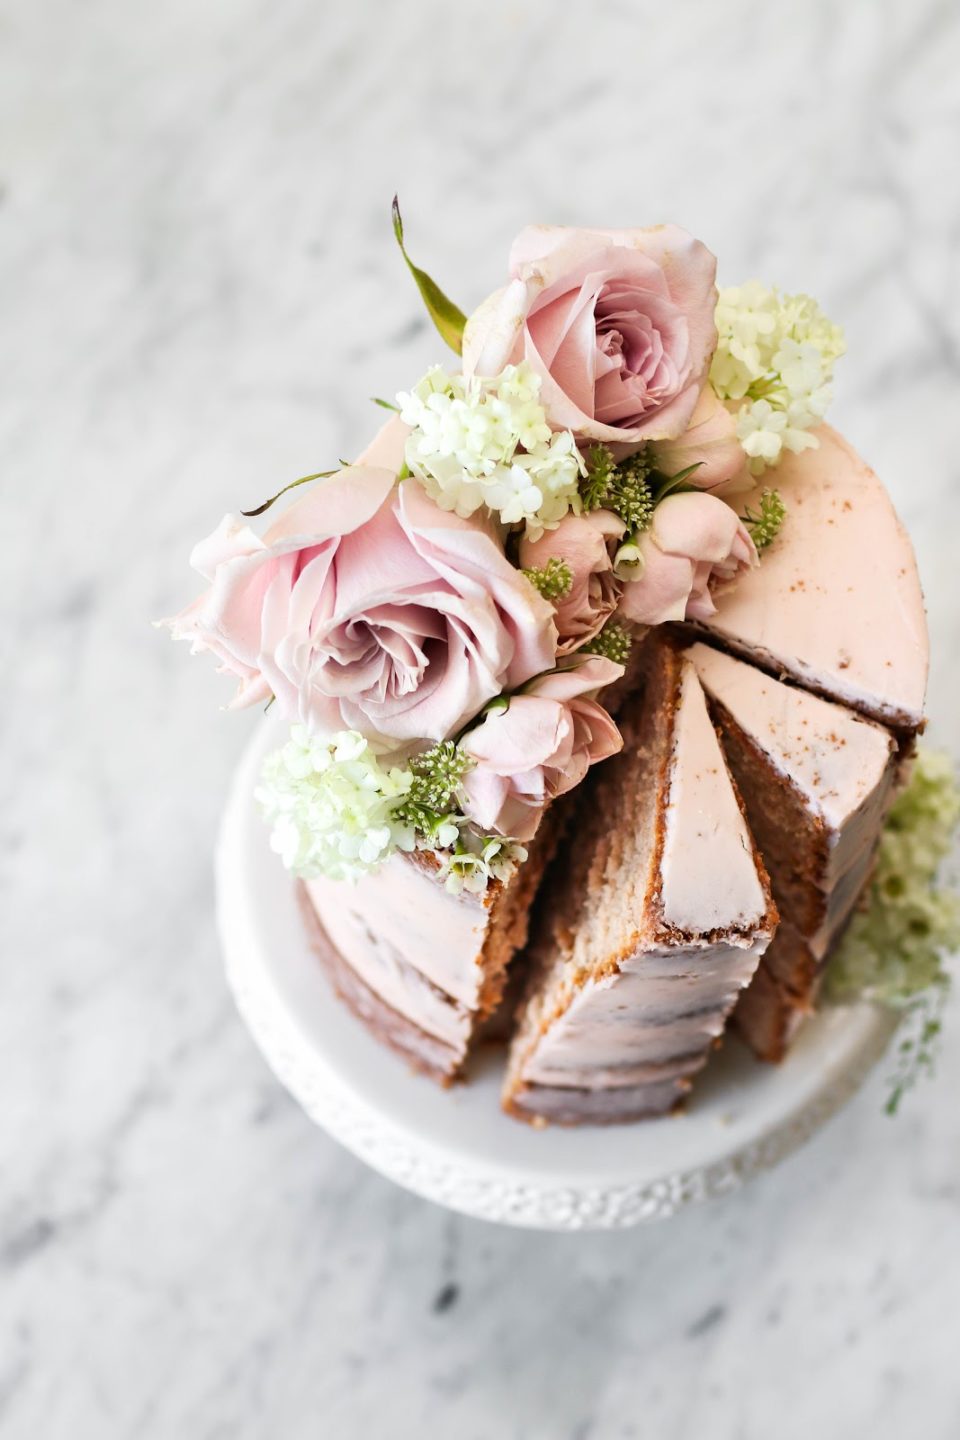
{"x":478,"y":859}
{"x":775,"y":354}
{"x":330,"y":804}
{"x":479,"y":442}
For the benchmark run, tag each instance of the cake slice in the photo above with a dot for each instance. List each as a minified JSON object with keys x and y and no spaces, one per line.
{"x":836,"y":604}
{"x":650,"y":923}
{"x":817,"y":780}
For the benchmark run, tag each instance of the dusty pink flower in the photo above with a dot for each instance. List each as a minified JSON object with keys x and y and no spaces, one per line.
{"x":583,"y":542}
{"x":539,"y":747}
{"x":367,"y":607}
{"x":709,"y":442}
{"x":618,"y":323}
{"x":695,"y":540}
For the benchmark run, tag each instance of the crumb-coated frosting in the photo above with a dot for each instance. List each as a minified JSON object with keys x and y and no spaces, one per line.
{"x":836,"y":602}
{"x":423,"y":925}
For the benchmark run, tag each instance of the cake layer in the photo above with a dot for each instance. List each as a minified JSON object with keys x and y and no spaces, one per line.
{"x":632,"y":965}
{"x":791,"y":963}
{"x":816,"y":779}
{"x":836,"y":602}
{"x":609,"y":1024}
{"x":657,"y":1089}
{"x":425,"y":1053}
{"x":768,"y":1016}
{"x":379,"y":962}
{"x":437,"y":961}
{"x":401,"y":911}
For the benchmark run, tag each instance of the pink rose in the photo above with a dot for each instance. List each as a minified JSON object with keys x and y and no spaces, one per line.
{"x":583,"y":542}
{"x":709,"y":442}
{"x":539,"y":747}
{"x":618,"y":323}
{"x":694,"y":540}
{"x":366,"y":607}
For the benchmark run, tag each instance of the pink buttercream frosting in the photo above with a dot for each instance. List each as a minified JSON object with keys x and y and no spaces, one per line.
{"x":836,"y":603}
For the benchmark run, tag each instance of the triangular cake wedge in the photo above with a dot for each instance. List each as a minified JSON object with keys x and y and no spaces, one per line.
{"x":649,"y":925}
{"x":817,"y":780}
{"x":836,"y":603}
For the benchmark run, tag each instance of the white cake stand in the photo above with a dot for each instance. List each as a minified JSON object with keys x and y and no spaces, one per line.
{"x":455,"y":1146}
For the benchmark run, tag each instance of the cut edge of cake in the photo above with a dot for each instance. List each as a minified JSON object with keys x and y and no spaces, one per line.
{"x":817,"y":780}
{"x":421,"y":968}
{"x":636,"y":963}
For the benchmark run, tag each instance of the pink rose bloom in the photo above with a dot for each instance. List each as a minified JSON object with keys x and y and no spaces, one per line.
{"x":542,"y":745}
{"x":618,"y":324}
{"x":367,"y":607}
{"x":709,"y":442}
{"x":695,"y":540}
{"x":583,"y":541}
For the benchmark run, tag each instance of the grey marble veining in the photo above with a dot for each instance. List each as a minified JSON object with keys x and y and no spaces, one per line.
{"x":199,"y":290}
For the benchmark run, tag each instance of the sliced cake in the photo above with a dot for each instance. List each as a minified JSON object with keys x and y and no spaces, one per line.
{"x":836,"y":603}
{"x":816,"y":779}
{"x":650,"y":924}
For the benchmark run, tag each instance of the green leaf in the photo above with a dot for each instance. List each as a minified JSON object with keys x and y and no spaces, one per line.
{"x":304,"y":480}
{"x":673,"y":483}
{"x":385,"y":404}
{"x":448,"y":319}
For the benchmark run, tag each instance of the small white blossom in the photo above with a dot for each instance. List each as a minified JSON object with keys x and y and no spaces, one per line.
{"x":478,"y":442}
{"x":776,"y":354}
{"x":765,"y":433}
{"x":333,"y":808}
{"x":330,"y":804}
{"x":478,"y":859}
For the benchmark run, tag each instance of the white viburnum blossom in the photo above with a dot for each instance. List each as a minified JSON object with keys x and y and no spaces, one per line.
{"x":329,"y":802}
{"x":775,"y":356}
{"x":486,"y":442}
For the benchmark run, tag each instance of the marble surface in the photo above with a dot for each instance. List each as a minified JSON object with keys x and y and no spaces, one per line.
{"x":199,"y":291}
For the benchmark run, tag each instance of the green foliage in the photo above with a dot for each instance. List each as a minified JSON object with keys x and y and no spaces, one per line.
{"x":449,"y":320}
{"x":625,"y":488}
{"x":553,"y":580}
{"x":764,"y":524}
{"x":431,"y":798}
{"x":614,"y":643}
{"x":919,"y":1044}
{"x":893,"y":951}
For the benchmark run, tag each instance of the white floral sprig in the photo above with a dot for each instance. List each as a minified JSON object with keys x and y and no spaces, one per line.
{"x":478,"y":442}
{"x":336,"y":809}
{"x":330,"y":804}
{"x":775,"y":354}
